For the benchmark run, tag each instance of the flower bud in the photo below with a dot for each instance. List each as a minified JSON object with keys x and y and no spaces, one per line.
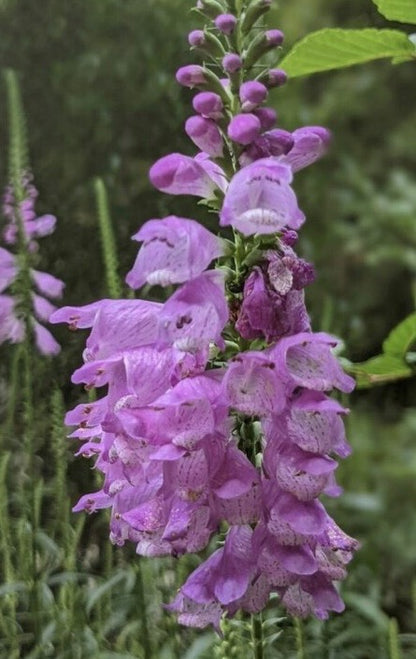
{"x":274,"y":38}
{"x":232,"y":63}
{"x":206,"y":42}
{"x":275,"y":78}
{"x":225,"y":23}
{"x":191,"y":76}
{"x":252,"y":94}
{"x":267,"y":116}
{"x":261,"y":44}
{"x":208,"y":105}
{"x":205,"y":134}
{"x":253,"y":13}
{"x":289,"y":237}
{"x":196,"y":38}
{"x":244,"y":128}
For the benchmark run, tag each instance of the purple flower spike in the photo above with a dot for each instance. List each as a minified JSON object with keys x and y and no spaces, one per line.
{"x":252,"y":94}
{"x":260,"y":200}
{"x":225,"y":23}
{"x":196,"y":38}
{"x":174,"y":250}
{"x":244,"y":128}
{"x":274,"y":38}
{"x":276,"y":78}
{"x":178,"y":174}
{"x":206,"y":135}
{"x":191,"y":76}
{"x":232,"y":63}
{"x":208,"y":105}
{"x":267,"y":116}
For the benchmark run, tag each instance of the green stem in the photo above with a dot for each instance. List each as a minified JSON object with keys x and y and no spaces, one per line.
{"x":108,"y":241}
{"x":299,"y":639}
{"x":145,"y":639}
{"x":394,"y":644}
{"x":14,"y":381}
{"x":257,"y":636}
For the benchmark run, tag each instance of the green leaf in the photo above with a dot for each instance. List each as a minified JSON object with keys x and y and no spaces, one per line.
{"x":401,"y":338}
{"x":403,"y":11}
{"x":335,"y":48}
{"x":381,"y":370}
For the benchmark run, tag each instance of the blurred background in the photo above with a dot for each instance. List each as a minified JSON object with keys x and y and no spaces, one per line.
{"x":97,"y":79}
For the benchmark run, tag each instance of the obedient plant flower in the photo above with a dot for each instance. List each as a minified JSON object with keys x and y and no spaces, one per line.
{"x":217,"y":412}
{"x":21,"y":311}
{"x":183,"y":248}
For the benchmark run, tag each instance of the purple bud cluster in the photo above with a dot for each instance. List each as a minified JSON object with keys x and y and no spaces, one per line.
{"x":217,"y":409}
{"x":21,"y":218}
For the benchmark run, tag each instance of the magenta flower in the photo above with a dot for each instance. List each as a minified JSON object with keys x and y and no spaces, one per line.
{"x":260,"y":200}
{"x":178,"y":174}
{"x":174,"y":251}
{"x":14,"y":320}
{"x":195,"y":315}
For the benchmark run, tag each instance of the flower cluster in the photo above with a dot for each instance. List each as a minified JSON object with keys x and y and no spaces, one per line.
{"x":17,"y":313}
{"x":217,"y":413}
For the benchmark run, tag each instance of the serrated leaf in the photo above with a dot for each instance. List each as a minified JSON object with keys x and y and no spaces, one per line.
{"x":403,"y":11}
{"x":381,"y":370}
{"x":336,"y":48}
{"x":401,"y":338}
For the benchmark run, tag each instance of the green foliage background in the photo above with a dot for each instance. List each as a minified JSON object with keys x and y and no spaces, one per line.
{"x":98,"y":86}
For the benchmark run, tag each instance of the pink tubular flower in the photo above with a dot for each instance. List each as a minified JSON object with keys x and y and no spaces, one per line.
{"x":178,"y":174}
{"x":174,"y":251}
{"x":260,"y":199}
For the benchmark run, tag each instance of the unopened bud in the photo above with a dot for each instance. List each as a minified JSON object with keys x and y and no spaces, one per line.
{"x":275,"y":78}
{"x":267,"y":116}
{"x":191,"y":76}
{"x":208,"y":105}
{"x":232,"y":63}
{"x":289,"y":237}
{"x":261,"y":44}
{"x":205,"y":134}
{"x":252,"y":94}
{"x":196,"y":38}
{"x":226,"y":23}
{"x":207,"y":42}
{"x":244,"y":128}
{"x":274,"y":38}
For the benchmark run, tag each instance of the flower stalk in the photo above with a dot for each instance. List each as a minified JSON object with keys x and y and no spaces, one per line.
{"x":217,"y":413}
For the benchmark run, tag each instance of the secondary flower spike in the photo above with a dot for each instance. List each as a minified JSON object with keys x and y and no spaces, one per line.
{"x":216,"y":413}
{"x":22,"y":230}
